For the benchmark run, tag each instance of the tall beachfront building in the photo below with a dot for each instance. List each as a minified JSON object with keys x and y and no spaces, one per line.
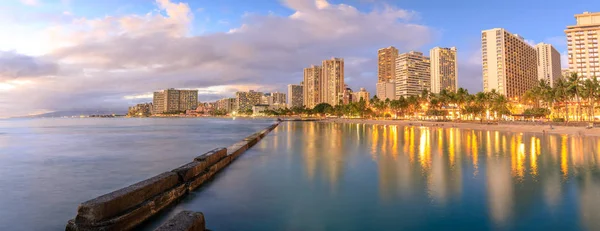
{"x":386,"y":65}
{"x":245,"y":100}
{"x":332,"y":81}
{"x":386,"y":72}
{"x":582,"y":42}
{"x":412,"y":74}
{"x":444,"y":69}
{"x":509,"y":63}
{"x":227,"y":104}
{"x":312,"y":86}
{"x":173,"y":100}
{"x":295,"y":95}
{"x":548,"y":63}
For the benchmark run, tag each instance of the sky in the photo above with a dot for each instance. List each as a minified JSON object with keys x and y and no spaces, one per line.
{"x":61,"y":55}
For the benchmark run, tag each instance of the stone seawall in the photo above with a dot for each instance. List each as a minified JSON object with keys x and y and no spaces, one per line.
{"x":128,"y":207}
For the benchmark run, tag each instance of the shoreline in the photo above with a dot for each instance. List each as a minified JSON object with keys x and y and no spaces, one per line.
{"x":540,"y":129}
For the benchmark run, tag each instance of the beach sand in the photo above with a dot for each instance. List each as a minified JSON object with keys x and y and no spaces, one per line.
{"x":562,"y":130}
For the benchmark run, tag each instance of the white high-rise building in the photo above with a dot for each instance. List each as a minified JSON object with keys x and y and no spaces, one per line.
{"x":548,"y":63}
{"x":413,"y":74}
{"x":583,"y":45}
{"x":332,"y":81}
{"x":444,"y":69}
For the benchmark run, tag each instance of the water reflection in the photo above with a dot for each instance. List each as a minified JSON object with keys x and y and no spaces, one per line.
{"x":509,"y":174}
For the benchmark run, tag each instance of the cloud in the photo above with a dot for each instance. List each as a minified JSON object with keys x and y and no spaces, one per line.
{"x":104,"y":60}
{"x":13,"y":66}
{"x":30,"y":2}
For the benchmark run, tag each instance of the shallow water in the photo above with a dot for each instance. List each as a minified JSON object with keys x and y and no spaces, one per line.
{"x":325,"y":176}
{"x":49,"y":166}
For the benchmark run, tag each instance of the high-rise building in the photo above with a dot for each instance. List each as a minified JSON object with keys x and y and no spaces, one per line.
{"x":227,"y":104}
{"x":548,"y":63}
{"x":172,"y":100}
{"x":582,"y":42}
{"x":295,"y":95}
{"x":273,"y":98}
{"x":509,"y":63}
{"x":347,"y":96}
{"x":332,"y":84}
{"x":245,"y":100}
{"x":386,"y":65}
{"x":361,"y":94}
{"x":444,"y":69}
{"x":312,"y":86}
{"x":386,"y":90}
{"x":412,"y":74}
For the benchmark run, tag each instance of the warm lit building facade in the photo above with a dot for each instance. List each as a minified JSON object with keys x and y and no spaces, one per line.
{"x":549,"y":68}
{"x":509,"y":63}
{"x":361,"y":94}
{"x":332,"y":81}
{"x":312,"y":86}
{"x":245,"y":100}
{"x":227,"y":105}
{"x":412,"y":74}
{"x":295,"y":95}
{"x":386,"y":90}
{"x":173,"y":100}
{"x":444,"y":69}
{"x":386,"y":64}
{"x":582,"y":42}
{"x":347,"y":96}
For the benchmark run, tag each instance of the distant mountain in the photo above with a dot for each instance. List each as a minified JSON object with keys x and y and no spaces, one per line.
{"x":75,"y":113}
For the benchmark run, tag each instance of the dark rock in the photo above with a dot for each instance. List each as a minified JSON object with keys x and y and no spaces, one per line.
{"x":184,"y":221}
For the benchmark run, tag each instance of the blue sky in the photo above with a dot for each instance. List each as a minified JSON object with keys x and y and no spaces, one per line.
{"x":64,"y":44}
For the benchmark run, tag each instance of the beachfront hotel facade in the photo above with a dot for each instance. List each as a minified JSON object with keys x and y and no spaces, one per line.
{"x":245,"y":100}
{"x":227,"y":104}
{"x":361,"y":94}
{"x":412,"y":74}
{"x":386,"y":64}
{"x":582,"y":43}
{"x":509,"y":63}
{"x":386,"y":90}
{"x":444,"y":69}
{"x":173,"y":100}
{"x":295,"y":95}
{"x":549,"y":67}
{"x":312,"y":86}
{"x":332,"y":81}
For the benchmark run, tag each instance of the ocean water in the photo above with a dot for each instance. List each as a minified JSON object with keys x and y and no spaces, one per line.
{"x":49,"y":166}
{"x":307,"y":175}
{"x":325,"y":176}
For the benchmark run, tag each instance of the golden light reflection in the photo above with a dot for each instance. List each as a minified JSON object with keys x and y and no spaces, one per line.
{"x":451,"y":145}
{"x":564,"y":167}
{"x":533,"y":156}
{"x":475,"y":155}
{"x":424,"y":149}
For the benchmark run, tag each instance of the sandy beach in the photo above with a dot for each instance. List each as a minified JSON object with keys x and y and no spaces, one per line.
{"x":563,"y":130}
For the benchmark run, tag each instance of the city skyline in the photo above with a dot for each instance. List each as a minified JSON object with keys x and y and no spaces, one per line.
{"x":50,"y":52}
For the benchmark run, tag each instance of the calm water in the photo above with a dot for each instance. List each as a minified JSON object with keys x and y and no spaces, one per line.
{"x":317,"y":176}
{"x":49,"y":166}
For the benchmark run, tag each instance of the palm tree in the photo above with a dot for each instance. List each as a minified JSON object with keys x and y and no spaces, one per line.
{"x":590,"y":91}
{"x":561,"y":95}
{"x":573,"y":90}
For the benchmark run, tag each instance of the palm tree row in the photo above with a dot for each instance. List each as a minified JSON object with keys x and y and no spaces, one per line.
{"x":569,"y":98}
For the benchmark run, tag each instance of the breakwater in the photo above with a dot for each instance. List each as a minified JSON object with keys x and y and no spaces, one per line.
{"x":126,"y":208}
